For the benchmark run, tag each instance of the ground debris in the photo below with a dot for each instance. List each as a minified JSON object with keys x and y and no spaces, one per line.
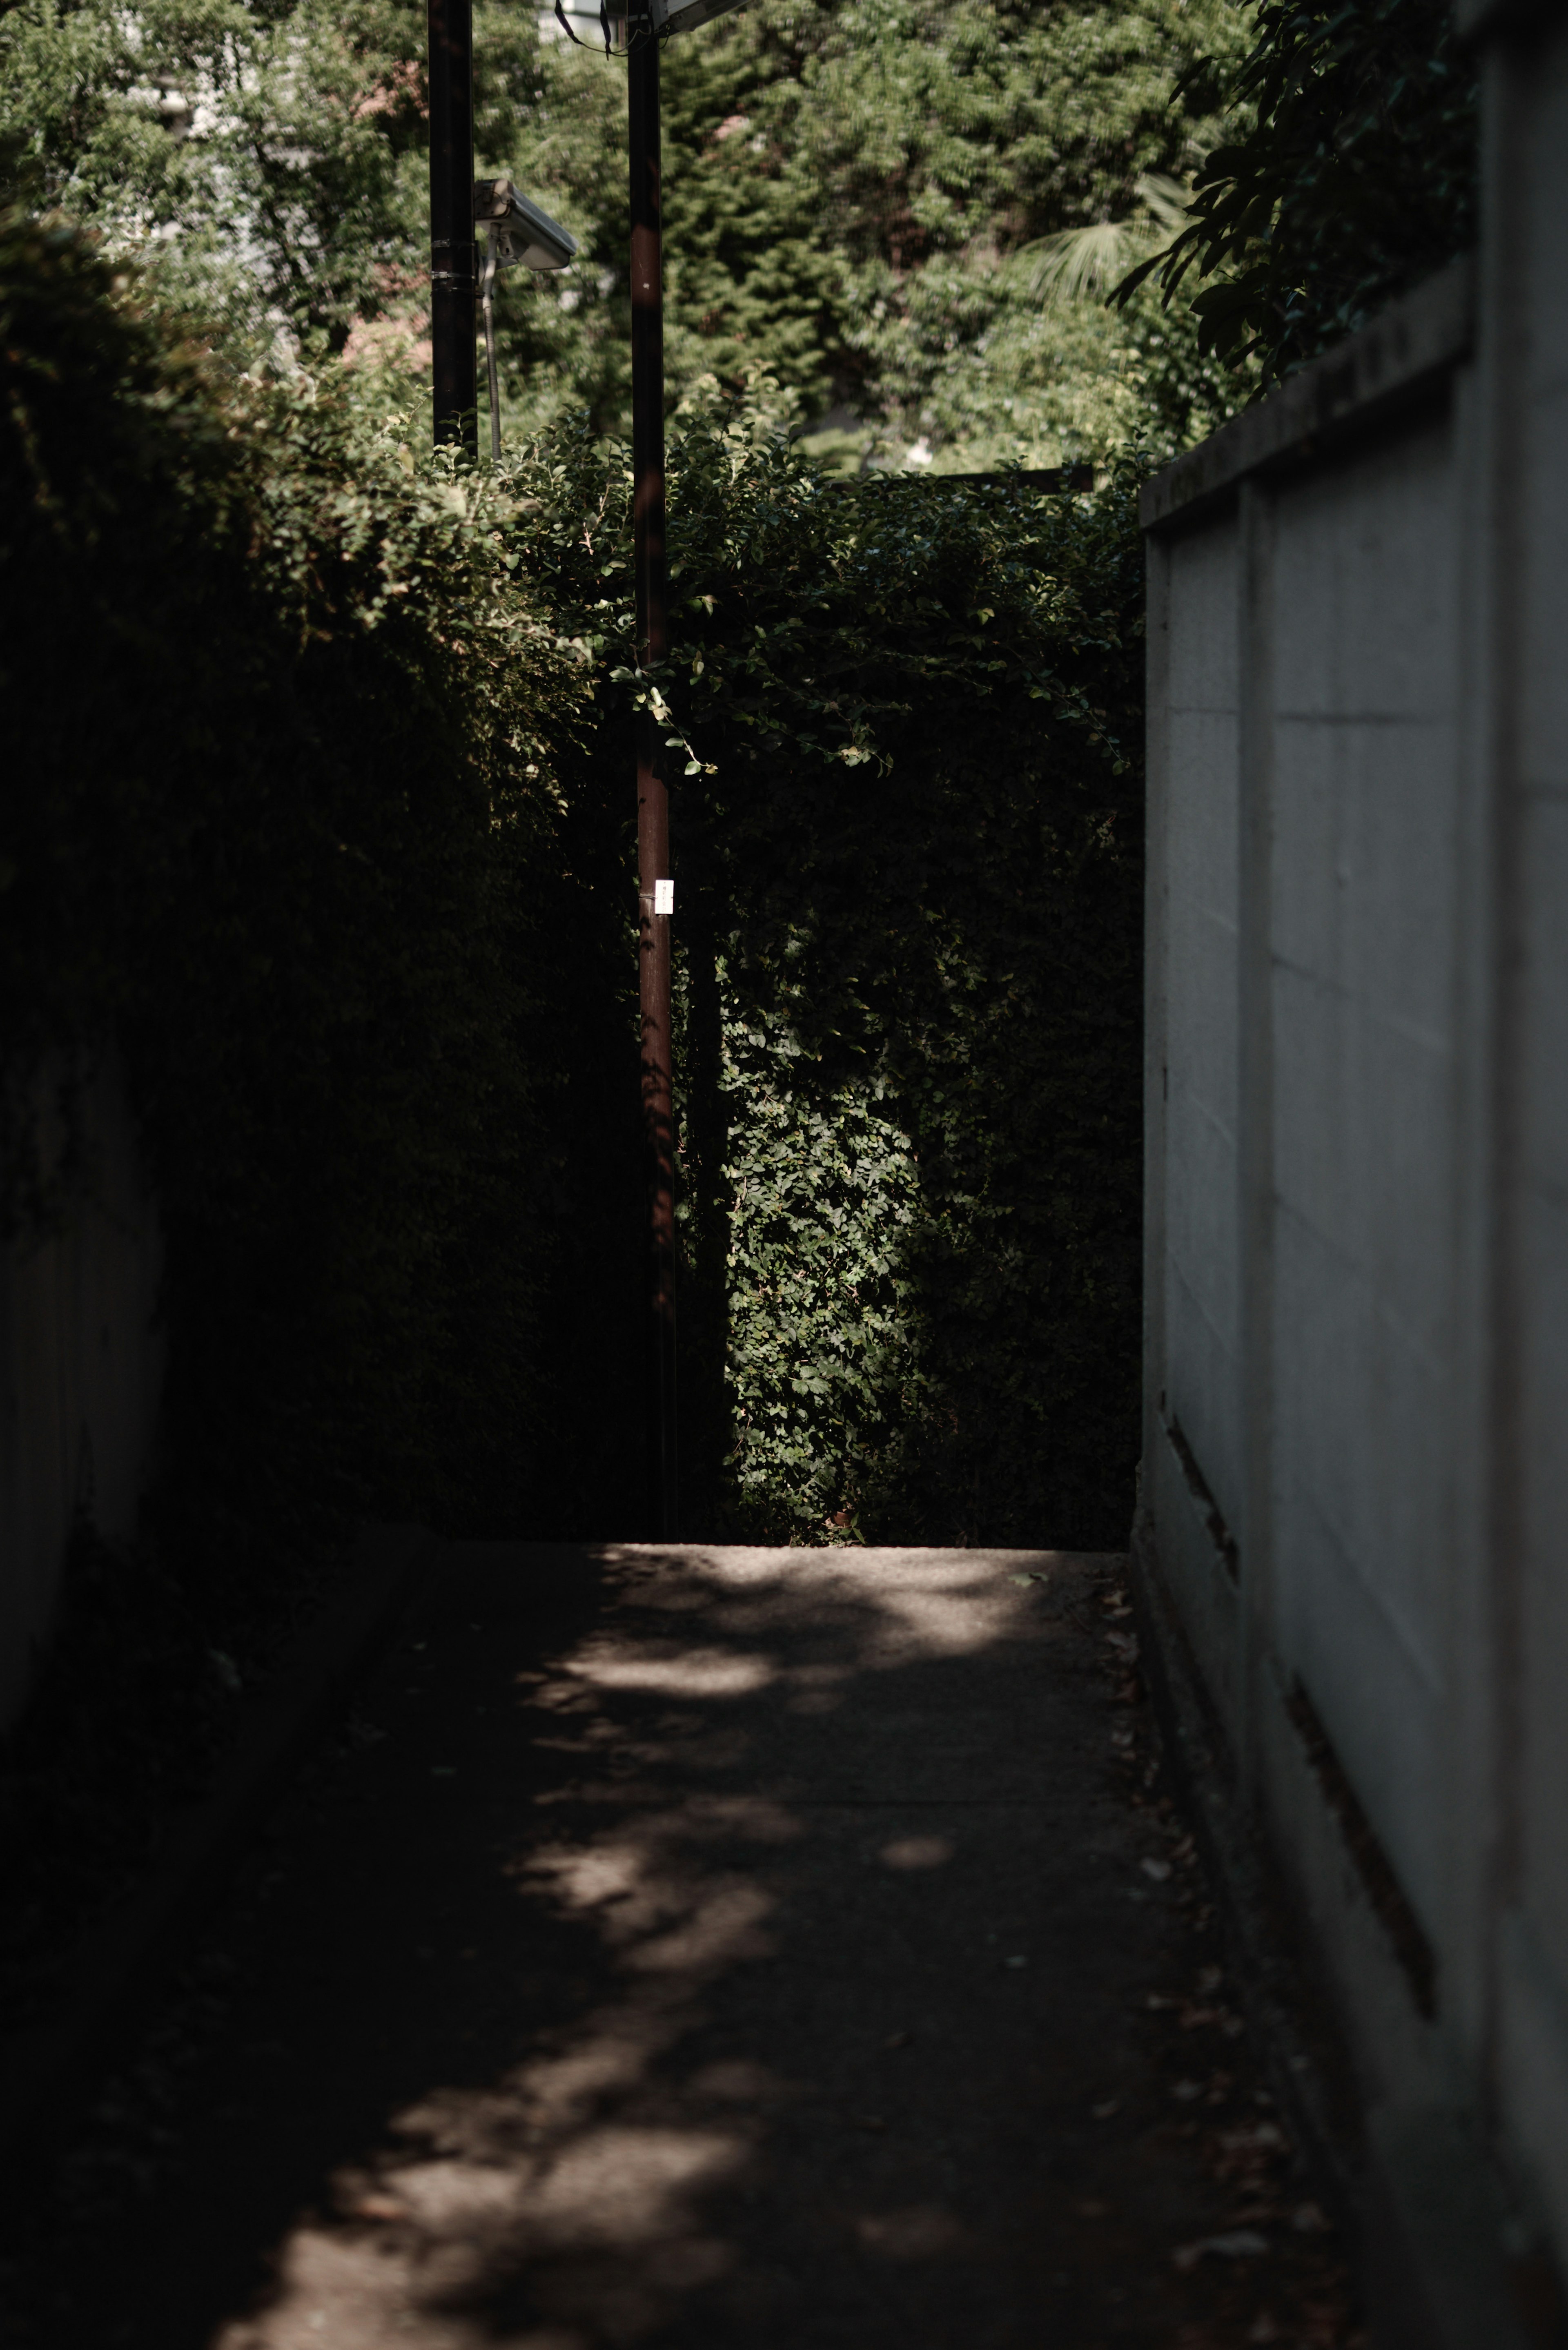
{"x":578,"y":2007}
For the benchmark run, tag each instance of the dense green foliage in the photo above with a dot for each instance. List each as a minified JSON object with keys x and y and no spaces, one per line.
{"x":864,"y":197}
{"x":908,"y":888}
{"x":337,"y":846}
{"x":857,"y":191}
{"x":1356,"y":177}
{"x":267,"y":161}
{"x":290,"y":840}
{"x":855,"y":198}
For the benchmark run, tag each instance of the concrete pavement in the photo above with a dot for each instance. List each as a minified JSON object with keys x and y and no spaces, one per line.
{"x":693,"y":1949}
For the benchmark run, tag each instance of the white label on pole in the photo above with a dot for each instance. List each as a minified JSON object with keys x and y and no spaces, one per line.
{"x":664,"y":896}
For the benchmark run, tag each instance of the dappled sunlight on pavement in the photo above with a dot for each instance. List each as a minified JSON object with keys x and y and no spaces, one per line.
{"x":731,"y":1946}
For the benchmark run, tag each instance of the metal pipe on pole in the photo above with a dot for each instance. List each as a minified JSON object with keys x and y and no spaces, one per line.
{"x":450,"y":78}
{"x":493,"y":374}
{"x":652,"y":606}
{"x":454,"y":293}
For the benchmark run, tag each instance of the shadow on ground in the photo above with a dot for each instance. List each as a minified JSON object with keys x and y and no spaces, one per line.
{"x":708,"y":1948}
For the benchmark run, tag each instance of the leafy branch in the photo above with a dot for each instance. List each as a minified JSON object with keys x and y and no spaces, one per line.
{"x":1355,"y":177}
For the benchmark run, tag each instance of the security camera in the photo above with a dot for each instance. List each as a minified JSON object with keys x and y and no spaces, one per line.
{"x":623,"y":22}
{"x":520,"y":230}
{"x":516,"y":231}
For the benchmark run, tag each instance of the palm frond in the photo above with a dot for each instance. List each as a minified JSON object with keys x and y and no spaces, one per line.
{"x":1168,"y":200}
{"x":1078,"y":262}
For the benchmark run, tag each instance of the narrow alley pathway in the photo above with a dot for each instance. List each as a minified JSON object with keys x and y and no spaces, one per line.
{"x":695,"y":1950}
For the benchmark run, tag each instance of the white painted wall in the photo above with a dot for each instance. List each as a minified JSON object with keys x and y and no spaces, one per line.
{"x":81,"y":1363}
{"x":1529,"y":748}
{"x":1357,"y":1156}
{"x":1361,"y":700}
{"x":1199,"y":1400}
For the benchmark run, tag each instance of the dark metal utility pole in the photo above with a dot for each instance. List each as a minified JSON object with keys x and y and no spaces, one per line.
{"x":652,"y":792}
{"x":453,"y":273}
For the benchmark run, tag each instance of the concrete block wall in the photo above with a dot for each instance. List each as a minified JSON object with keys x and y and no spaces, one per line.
{"x":81,"y":1367}
{"x":1356,"y":1451}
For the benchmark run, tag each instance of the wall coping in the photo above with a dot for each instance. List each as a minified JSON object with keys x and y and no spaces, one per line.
{"x":1491,"y":20}
{"x":1416,"y":338}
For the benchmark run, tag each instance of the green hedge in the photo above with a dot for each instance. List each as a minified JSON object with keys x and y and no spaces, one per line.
{"x":328,"y":825}
{"x":288,"y":829}
{"x":903,"y":725}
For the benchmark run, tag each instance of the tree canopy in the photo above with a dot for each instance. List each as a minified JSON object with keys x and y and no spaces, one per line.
{"x":859,"y":193}
{"x":1354,"y":176}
